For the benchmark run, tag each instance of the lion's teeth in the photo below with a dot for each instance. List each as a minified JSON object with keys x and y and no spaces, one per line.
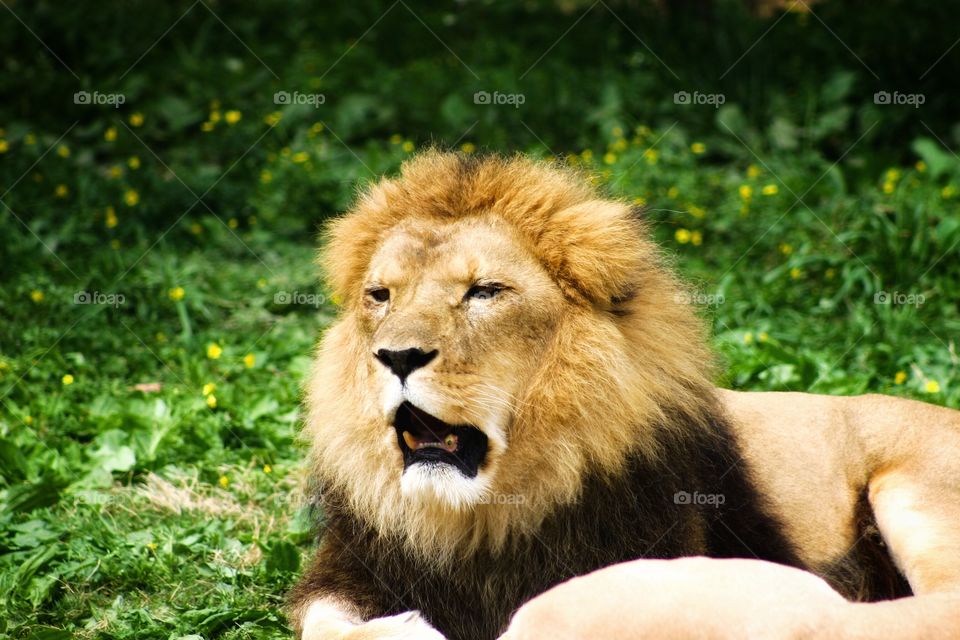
{"x":410,"y":440}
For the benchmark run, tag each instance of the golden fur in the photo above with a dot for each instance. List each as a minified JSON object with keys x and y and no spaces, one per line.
{"x":554,"y":228}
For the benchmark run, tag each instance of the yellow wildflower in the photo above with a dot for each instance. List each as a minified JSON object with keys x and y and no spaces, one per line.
{"x":900,"y":377}
{"x":30,"y":139}
{"x":212,"y":401}
{"x":267,"y":468}
{"x":273,"y":118}
{"x":892,"y":175}
{"x":316,"y":128}
{"x":698,"y":148}
{"x":763,"y":336}
{"x":135,"y":119}
{"x":640,"y":201}
{"x":795,"y":273}
{"x":830,"y":273}
{"x":233,"y":223}
{"x":214,"y":351}
{"x":748,"y":338}
{"x":232,"y":117}
{"x":115,"y":172}
{"x":36,"y":296}
{"x":921,"y":166}
{"x":888,"y":187}
{"x":407,"y":146}
{"x":111,"y":218}
{"x":673,"y":192}
{"x":300,"y":157}
{"x":609,"y":158}
{"x":63,"y":151}
{"x":932,"y":386}
{"x":207,"y":127}
{"x":651,"y":156}
{"x":67,"y":380}
{"x":224,"y":481}
{"x":62,"y":191}
{"x":697,"y":212}
{"x":4,"y":146}
{"x":786,"y":248}
{"x":196,"y":229}
{"x":249,"y":360}
{"x":177,"y":293}
{"x":746,"y":192}
{"x":110,"y":134}
{"x":133,"y":162}
{"x":696,"y":238}
{"x":948,"y":191}
{"x":214,"y":116}
{"x":152,"y":546}
{"x":131,"y":197}
{"x":770,"y":190}
{"x":209,"y":388}
{"x":266,"y":176}
{"x":753,"y":171}
{"x":682,"y":236}
{"x":396,"y":138}
{"x":28,"y":420}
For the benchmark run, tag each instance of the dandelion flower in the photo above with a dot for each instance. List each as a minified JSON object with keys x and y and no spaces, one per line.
{"x":30,"y":139}
{"x":746,"y":192}
{"x":214,"y":351}
{"x":152,"y":546}
{"x":316,"y":128}
{"x":115,"y":172}
{"x":233,"y":223}
{"x":110,"y":218}
{"x":212,"y":401}
{"x":62,"y":191}
{"x":266,"y":176}
{"x":753,"y":171}
{"x":136,"y":119}
{"x":196,"y":229}
{"x":673,"y":192}
{"x":249,"y":360}
{"x":407,"y":146}
{"x":609,"y":158}
{"x":176,"y":294}
{"x":232,"y":117}
{"x":763,"y":336}
{"x":921,"y":166}
{"x":651,"y":156}
{"x":224,"y":481}
{"x":272,"y":118}
{"x":900,"y":377}
{"x":748,"y":338}
{"x":131,"y":197}
{"x":209,"y":388}
{"x":770,"y":190}
{"x":63,"y":151}
{"x":698,"y":148}
{"x":300,"y":157}
{"x":932,"y":386}
{"x":133,"y":162}
{"x":36,"y":295}
{"x":267,"y":468}
{"x":207,"y":127}
{"x":28,"y":420}
{"x":4,"y":146}
{"x":795,"y":273}
{"x":215,"y":116}
{"x":948,"y":191}
{"x":67,"y":380}
{"x":682,"y":236}
{"x":396,"y":138}
{"x":786,"y":248}
{"x":888,"y":187}
{"x":696,"y":238}
{"x":110,"y":134}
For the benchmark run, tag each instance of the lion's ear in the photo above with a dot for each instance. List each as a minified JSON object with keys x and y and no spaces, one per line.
{"x":598,"y":249}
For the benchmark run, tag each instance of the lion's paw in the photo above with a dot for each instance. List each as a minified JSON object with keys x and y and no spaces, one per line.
{"x":404,"y":626}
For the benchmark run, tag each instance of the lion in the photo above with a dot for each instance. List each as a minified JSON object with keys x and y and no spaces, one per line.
{"x":516,"y":392}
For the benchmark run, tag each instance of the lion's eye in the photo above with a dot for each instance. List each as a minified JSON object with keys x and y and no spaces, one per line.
{"x":482,"y":292}
{"x":379,"y":294}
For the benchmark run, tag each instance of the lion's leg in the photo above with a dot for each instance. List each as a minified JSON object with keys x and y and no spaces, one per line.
{"x":918,"y":512}
{"x":935,"y":615}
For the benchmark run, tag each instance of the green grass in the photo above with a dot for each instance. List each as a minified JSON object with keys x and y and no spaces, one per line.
{"x":132,"y":508}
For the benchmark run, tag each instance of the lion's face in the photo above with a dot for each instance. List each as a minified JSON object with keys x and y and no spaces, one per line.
{"x":454,"y":318}
{"x":504,"y":329}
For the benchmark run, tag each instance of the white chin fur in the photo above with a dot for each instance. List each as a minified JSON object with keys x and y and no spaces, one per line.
{"x":443,"y":484}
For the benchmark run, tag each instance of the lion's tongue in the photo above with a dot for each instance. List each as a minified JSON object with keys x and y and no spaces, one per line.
{"x":449,"y":442}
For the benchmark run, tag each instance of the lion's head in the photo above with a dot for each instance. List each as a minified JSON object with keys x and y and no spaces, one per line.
{"x":504,"y":330}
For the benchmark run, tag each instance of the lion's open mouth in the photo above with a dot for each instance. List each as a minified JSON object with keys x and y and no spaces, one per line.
{"x":427,"y":439}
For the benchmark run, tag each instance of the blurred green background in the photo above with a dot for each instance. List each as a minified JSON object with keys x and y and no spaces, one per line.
{"x":159,"y":302}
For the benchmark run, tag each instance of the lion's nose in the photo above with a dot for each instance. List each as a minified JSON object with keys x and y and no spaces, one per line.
{"x":403,"y":362}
